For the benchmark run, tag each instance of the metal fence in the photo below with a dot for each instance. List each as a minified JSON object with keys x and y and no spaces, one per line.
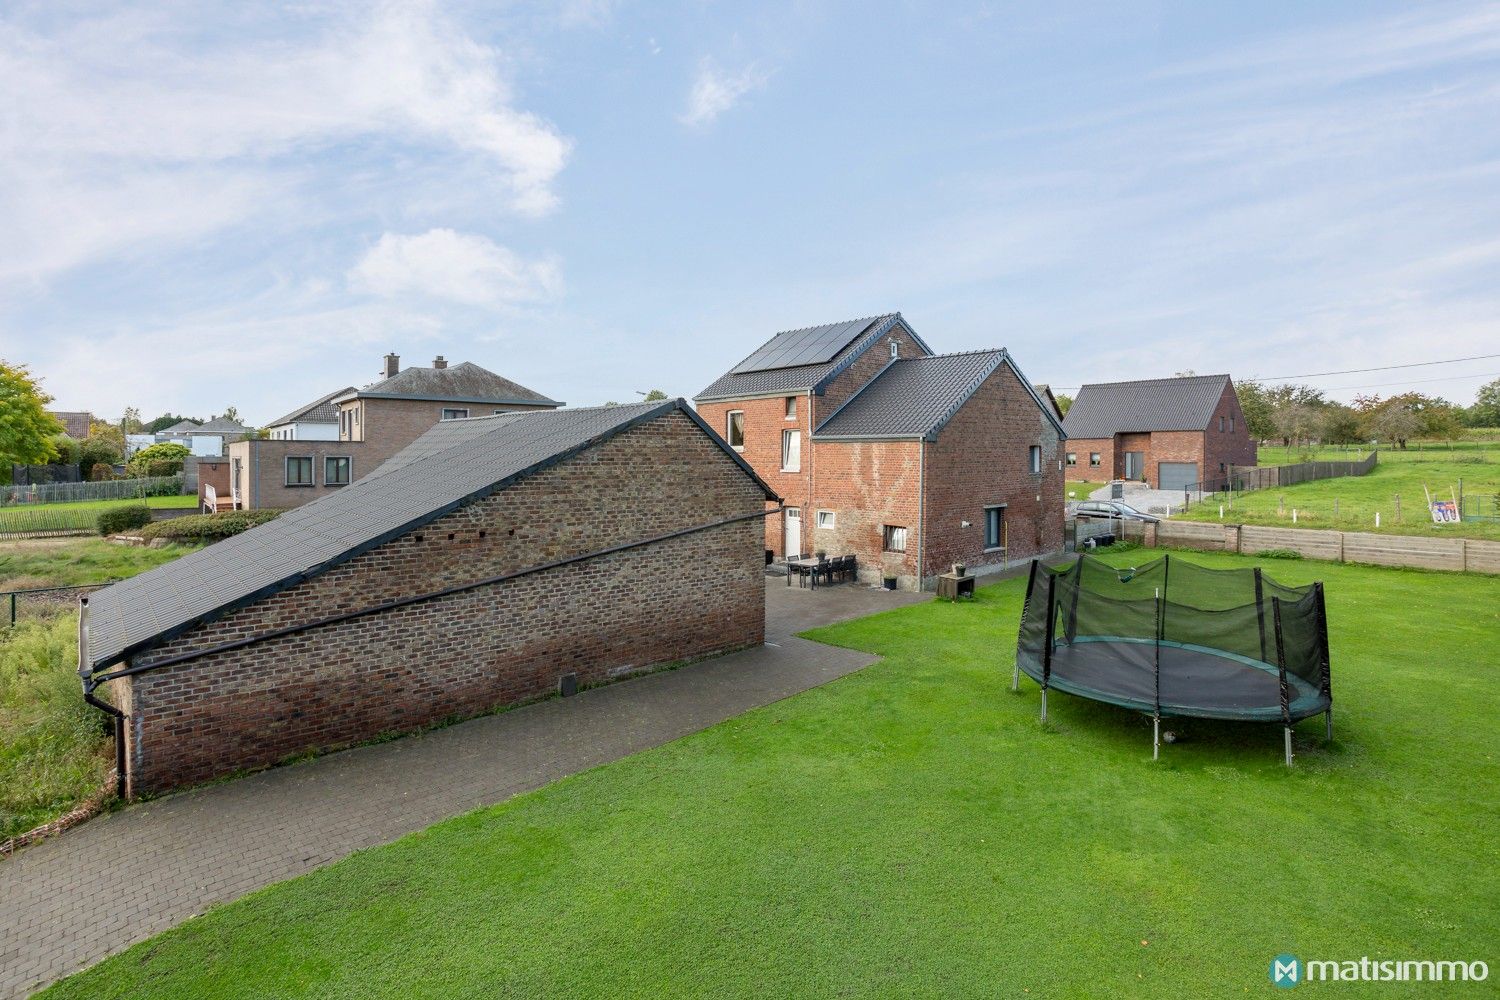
{"x":28,"y":475}
{"x":1479,"y":507}
{"x":1269,"y":477}
{"x":38,"y":601}
{"x":113,"y":489}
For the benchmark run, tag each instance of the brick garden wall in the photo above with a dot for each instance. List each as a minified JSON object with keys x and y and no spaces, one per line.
{"x":981,"y":459}
{"x":468,"y":653}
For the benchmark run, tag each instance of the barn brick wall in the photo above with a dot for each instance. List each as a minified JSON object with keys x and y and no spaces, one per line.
{"x":981,"y":459}
{"x":468,"y":653}
{"x":868,"y":485}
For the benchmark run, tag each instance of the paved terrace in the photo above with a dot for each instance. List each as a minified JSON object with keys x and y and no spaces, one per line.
{"x":101,"y":887}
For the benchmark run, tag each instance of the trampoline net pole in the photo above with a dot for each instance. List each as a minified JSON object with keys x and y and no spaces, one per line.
{"x":1260,"y":614}
{"x":1286,"y":714}
{"x":1156,"y":670}
{"x":1325,"y":671}
{"x":1051,"y":636}
{"x":1015,"y":677}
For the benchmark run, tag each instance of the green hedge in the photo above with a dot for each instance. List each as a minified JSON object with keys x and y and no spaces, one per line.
{"x":208,"y":527}
{"x":118,"y":519}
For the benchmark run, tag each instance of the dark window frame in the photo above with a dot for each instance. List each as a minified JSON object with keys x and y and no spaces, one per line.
{"x":443,"y":413}
{"x":287,"y":469}
{"x":888,"y":537}
{"x":348,"y":470}
{"x":994,"y":516}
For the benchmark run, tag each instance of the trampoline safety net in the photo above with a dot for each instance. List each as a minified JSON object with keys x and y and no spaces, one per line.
{"x":1175,"y":638}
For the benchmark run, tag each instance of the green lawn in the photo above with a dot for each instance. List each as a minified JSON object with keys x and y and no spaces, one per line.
{"x":1082,"y":488}
{"x":81,"y":515}
{"x":911,"y":830}
{"x":1403,"y":473}
{"x":54,"y":749}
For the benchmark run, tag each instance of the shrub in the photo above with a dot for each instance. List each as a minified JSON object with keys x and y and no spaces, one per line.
{"x":1279,"y":554}
{"x":161,"y":459}
{"x":114,"y":520}
{"x":208,"y":527}
{"x":101,"y":473}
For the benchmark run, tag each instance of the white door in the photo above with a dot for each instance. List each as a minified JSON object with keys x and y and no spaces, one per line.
{"x":793,"y":516}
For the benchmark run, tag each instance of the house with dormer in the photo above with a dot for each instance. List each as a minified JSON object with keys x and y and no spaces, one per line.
{"x":883,"y":449}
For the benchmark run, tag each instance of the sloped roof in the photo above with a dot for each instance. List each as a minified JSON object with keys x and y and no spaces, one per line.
{"x":451,"y":465}
{"x":911,"y":397}
{"x":181,"y":427}
{"x":76,"y":423}
{"x":220,"y":425}
{"x":463,"y":382}
{"x":1162,"y":404}
{"x":320,"y":411}
{"x":837,"y":343}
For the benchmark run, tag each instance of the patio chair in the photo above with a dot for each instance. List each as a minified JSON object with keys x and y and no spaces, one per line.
{"x":848,"y":568}
{"x":824,"y":569}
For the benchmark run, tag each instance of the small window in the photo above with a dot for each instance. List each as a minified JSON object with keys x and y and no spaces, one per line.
{"x":1231,"y":423}
{"x":1035,"y":452}
{"x":1093,"y":460}
{"x":299,"y":470}
{"x":994,"y":527}
{"x":736,"y":430}
{"x":825,"y":519}
{"x":335,"y":471}
{"x":791,"y":407}
{"x":895,"y":538}
{"x":497,"y":413}
{"x":1072,"y":458}
{"x":455,"y":413}
{"x":895,"y":348}
{"x":1221,"y":423}
{"x":791,"y":451}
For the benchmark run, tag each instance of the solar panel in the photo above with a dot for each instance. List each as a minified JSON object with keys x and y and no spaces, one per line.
{"x":812,"y":345}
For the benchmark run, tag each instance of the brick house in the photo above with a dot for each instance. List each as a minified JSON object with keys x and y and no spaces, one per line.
{"x":76,"y":424}
{"x":373,"y":424}
{"x":908,"y":460}
{"x":480,"y":567}
{"x":1168,"y":432}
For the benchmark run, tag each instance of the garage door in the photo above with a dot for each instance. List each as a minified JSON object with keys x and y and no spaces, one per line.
{"x":1176,"y":475}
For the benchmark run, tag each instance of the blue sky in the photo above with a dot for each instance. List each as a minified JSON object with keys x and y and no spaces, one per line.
{"x":250,"y":205}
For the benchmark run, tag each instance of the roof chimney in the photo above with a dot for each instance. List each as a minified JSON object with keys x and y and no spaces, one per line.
{"x":438,"y":362}
{"x":392,"y":364}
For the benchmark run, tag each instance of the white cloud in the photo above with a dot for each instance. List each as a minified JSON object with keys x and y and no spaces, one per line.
{"x":133,"y":117}
{"x":715,"y":91}
{"x":458,"y":267}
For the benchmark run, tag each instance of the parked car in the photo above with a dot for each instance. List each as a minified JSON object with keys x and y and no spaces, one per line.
{"x":1113,"y":508}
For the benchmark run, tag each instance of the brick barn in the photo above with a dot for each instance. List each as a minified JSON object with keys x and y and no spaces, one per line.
{"x":486,"y":564}
{"x":1168,"y":432}
{"x":908,"y":460}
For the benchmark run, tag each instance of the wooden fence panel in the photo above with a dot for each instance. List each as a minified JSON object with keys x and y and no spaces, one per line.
{"x":1453,"y":554}
{"x":1481,"y":557}
{"x":1310,"y":542}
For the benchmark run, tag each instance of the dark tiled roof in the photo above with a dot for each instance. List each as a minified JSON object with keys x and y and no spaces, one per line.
{"x":856,"y":336}
{"x":219,"y":425}
{"x":181,"y":427}
{"x":454,"y":463}
{"x":912,"y":397}
{"x":1161,"y":404}
{"x":322,"y":411}
{"x":461,"y":382}
{"x":76,"y":423}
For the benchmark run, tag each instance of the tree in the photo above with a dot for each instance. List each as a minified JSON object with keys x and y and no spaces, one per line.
{"x":1255,"y":402}
{"x":1486,"y":409}
{"x":232,"y":413}
{"x":26,"y":428}
{"x":166,"y":420}
{"x":654,"y":395}
{"x":161,"y":459}
{"x":1339,"y":424}
{"x":1296,"y":423}
{"x":130,"y":423}
{"x":1064,"y":402}
{"x":1395,"y":422}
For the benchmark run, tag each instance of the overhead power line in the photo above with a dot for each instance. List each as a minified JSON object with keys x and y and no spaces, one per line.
{"x":1361,"y":371}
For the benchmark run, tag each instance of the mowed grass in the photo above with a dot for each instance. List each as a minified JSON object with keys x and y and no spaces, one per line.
{"x":912,"y":830}
{"x":75,"y":562}
{"x":1403,"y":473}
{"x":79,"y":515}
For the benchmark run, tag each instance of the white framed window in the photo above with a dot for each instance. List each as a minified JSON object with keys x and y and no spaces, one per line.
{"x":893,"y":538}
{"x":1034,"y":454}
{"x":1072,"y":458}
{"x":336,"y":469}
{"x":1093,"y":460}
{"x":791,"y":451}
{"x":299,"y":470}
{"x":455,"y":413}
{"x":825,"y":519}
{"x":791,"y":407}
{"x":895,"y":348}
{"x":734,"y":429}
{"x":994,"y":527}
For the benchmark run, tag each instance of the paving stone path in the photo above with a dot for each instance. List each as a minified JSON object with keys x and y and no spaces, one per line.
{"x":99,"y":888}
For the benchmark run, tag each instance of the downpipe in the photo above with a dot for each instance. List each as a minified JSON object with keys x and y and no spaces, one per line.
{"x":90,"y":685}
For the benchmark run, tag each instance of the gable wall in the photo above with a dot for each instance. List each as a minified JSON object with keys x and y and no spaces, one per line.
{"x":468,"y":653}
{"x":865,"y":367}
{"x":1226,"y":447}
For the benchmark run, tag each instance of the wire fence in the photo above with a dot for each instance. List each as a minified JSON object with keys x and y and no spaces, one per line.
{"x":1248,"y":479}
{"x":40,"y":602}
{"x":113,"y":489}
{"x":1483,"y":507}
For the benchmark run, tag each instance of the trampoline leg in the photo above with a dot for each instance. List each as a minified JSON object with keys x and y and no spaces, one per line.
{"x":1044,"y":704}
{"x":1328,"y":730}
{"x":1155,"y":739}
{"x":1015,"y":679}
{"x":1288,"y":731}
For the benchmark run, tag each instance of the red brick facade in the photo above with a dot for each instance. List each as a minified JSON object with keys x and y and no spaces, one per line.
{"x":1212,"y":450}
{"x":465,"y":654}
{"x":980,"y":458}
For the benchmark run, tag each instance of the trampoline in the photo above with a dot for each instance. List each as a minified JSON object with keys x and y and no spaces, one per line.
{"x":1172,"y":638}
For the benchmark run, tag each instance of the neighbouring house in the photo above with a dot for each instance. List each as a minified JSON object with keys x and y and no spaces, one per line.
{"x":374,"y":423}
{"x":76,"y":423}
{"x":317,"y":421}
{"x":1171,"y":433}
{"x":1045,"y":391}
{"x":205,"y":440}
{"x":908,"y":460}
{"x":490,"y":562}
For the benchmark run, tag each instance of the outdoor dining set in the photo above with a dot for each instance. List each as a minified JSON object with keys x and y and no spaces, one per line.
{"x":821,"y":568}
